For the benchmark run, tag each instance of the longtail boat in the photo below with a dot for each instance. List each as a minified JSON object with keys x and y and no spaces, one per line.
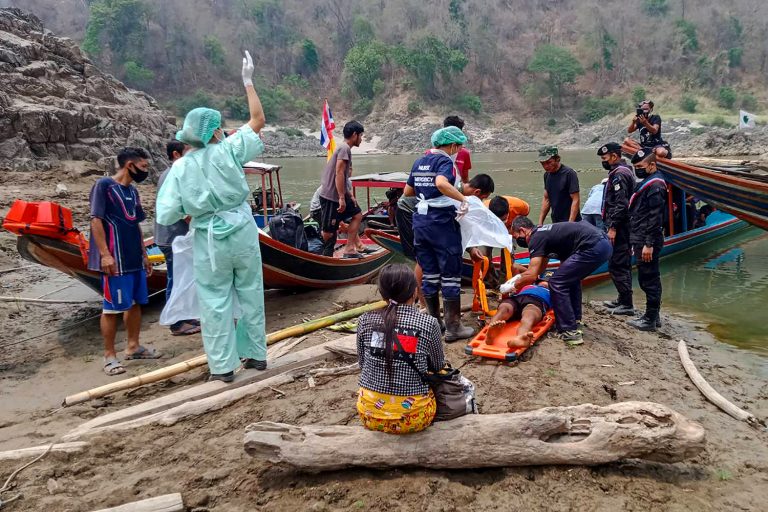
{"x":735,"y":191}
{"x":46,"y":236}
{"x":718,"y":224}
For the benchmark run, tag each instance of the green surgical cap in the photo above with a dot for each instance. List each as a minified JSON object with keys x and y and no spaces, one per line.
{"x":199,"y":126}
{"x":448,"y":135}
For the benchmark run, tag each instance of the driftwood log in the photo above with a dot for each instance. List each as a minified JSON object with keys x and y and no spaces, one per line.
{"x":165,"y":503}
{"x":710,"y":393}
{"x":580,"y":435}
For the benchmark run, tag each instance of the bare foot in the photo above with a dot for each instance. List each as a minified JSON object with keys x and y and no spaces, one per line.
{"x":522,"y":341}
{"x":494,"y":329}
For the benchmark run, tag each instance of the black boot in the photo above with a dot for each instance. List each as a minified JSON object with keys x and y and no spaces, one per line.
{"x":433,"y":308}
{"x":648,"y":322}
{"x":455,"y":331}
{"x":612,"y":304}
{"x":328,"y":246}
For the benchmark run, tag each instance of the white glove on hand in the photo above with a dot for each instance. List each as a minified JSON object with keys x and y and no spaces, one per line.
{"x":509,"y":286}
{"x":462,"y":210}
{"x":247,"y":69}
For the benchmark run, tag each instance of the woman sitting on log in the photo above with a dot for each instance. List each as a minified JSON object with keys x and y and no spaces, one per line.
{"x":393,"y":398}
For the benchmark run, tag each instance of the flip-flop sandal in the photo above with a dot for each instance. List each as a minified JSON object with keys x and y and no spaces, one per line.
{"x":344,"y":327}
{"x":186,"y":329}
{"x":353,"y":256}
{"x":367,"y":250}
{"x":113,"y":366}
{"x":144,"y":353}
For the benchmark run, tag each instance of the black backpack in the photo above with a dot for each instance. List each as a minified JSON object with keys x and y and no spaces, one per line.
{"x":288,"y":227}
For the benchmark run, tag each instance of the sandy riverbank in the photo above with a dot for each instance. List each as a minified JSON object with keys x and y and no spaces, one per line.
{"x":203,"y":458}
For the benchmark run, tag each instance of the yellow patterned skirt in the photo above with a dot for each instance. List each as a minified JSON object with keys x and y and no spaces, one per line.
{"x":395,"y":414}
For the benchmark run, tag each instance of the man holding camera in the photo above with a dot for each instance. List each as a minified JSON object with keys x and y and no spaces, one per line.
{"x":649,"y":125}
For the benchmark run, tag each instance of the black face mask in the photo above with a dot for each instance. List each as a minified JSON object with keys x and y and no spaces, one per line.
{"x":607,"y":166}
{"x":521,"y":242}
{"x":138,"y":175}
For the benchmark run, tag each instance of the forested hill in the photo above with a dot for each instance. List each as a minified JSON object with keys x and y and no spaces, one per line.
{"x":543,"y":60}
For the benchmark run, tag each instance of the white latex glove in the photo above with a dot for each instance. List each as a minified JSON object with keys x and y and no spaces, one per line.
{"x":509,"y":286}
{"x":462,"y":210}
{"x":247,"y":69}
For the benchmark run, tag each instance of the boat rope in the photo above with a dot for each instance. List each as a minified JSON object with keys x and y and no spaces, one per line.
{"x":80,"y":322}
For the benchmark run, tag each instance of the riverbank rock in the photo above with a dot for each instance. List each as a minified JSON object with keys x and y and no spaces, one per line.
{"x":56,"y":105}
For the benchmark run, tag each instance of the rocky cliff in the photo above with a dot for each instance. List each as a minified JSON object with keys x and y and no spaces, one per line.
{"x":56,"y":105}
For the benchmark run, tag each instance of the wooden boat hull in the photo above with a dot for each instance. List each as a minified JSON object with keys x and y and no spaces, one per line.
{"x":284,"y":266}
{"x":742,"y":197}
{"x":718,"y":224}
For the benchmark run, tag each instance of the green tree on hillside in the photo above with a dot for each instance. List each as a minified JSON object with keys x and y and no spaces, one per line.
{"x":119,"y":24}
{"x":655,"y":7}
{"x":428,"y":60}
{"x":558,"y":64}
{"x":309,"y":61}
{"x":362,"y":66}
{"x":362,"y":31}
{"x":213,"y":50}
{"x":687,"y":37}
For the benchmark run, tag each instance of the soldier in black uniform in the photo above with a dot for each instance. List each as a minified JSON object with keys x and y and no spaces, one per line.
{"x":646,"y":217}
{"x":618,"y":189}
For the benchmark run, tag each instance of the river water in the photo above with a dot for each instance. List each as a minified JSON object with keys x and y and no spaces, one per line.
{"x":722,"y":284}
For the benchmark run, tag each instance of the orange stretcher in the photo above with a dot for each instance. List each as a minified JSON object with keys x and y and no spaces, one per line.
{"x":499,"y":349}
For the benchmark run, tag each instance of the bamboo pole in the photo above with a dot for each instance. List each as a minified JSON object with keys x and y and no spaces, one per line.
{"x":189,"y":364}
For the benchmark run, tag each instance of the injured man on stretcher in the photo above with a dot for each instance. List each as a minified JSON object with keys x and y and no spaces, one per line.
{"x":528,"y":306}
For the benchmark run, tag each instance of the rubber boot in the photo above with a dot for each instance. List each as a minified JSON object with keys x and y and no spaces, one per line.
{"x":647,"y":322}
{"x":433,"y":308}
{"x":455,"y":331}
{"x":328,"y":246}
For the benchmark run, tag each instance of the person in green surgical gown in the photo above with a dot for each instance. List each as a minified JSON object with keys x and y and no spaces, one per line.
{"x":208,"y":185}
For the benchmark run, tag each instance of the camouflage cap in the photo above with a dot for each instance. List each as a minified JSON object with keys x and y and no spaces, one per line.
{"x":547,"y":152}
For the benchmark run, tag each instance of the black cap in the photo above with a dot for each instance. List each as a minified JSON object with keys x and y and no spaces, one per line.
{"x":641,"y":154}
{"x":611,"y":147}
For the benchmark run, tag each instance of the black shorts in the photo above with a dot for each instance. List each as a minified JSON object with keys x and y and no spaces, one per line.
{"x":520,"y":301}
{"x":330,"y":217}
{"x":404,"y":220}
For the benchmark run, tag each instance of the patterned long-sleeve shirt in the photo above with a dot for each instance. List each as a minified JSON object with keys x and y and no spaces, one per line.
{"x":418,"y":333}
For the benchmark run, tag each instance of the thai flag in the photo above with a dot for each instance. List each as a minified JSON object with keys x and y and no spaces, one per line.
{"x":326,"y":130}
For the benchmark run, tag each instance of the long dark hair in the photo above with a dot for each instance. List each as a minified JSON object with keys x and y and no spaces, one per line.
{"x":397,"y":285}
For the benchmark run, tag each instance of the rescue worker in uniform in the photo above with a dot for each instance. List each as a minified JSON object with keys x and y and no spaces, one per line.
{"x":436,"y":232}
{"x":581,"y":249}
{"x":208,"y":184}
{"x":646,"y":234}
{"x":618,"y":189}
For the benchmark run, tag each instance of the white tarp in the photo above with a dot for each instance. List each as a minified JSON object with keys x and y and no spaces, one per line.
{"x":480,"y":227}
{"x":182,"y":304}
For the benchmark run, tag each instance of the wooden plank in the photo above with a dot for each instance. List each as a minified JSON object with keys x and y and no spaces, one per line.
{"x":165,"y":503}
{"x":37,"y":450}
{"x":275,"y":366}
{"x":196,"y":407}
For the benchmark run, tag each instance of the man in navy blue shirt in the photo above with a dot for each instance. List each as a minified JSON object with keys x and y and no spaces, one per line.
{"x":117,"y":251}
{"x":436,"y":232}
{"x":581,"y":249}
